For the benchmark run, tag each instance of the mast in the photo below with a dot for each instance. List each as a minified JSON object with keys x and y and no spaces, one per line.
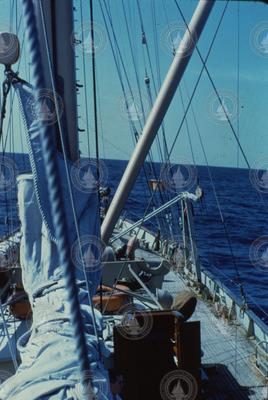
{"x":57,"y":17}
{"x":167,"y":91}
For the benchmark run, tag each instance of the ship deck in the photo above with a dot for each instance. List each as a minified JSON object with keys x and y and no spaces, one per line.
{"x":228,"y":354}
{"x":228,"y":357}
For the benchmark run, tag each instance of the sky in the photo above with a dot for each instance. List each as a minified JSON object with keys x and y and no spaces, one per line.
{"x":237,"y":66}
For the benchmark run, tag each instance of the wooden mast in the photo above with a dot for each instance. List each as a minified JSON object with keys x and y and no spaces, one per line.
{"x":57,"y":18}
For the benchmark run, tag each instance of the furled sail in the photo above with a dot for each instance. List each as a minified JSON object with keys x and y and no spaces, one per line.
{"x":49,"y":362}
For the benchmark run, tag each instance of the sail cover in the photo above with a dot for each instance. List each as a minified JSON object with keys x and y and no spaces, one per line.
{"x":49,"y":362}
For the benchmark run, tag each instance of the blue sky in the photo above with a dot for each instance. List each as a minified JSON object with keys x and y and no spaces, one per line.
{"x":247,"y":108}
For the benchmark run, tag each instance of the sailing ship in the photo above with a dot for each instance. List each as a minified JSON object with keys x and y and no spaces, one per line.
{"x":119,"y":297}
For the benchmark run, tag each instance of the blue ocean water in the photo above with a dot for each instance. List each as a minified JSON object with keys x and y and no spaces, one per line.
{"x":223,"y":250}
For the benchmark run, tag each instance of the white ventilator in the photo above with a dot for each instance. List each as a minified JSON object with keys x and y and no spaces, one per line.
{"x":9,"y":48}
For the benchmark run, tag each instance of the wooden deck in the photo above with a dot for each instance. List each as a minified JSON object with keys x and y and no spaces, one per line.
{"x":228,"y":357}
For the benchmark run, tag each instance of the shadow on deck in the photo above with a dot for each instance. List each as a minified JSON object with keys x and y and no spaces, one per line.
{"x":222,"y":385}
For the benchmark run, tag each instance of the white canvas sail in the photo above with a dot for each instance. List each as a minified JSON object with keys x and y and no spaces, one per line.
{"x":49,"y":360}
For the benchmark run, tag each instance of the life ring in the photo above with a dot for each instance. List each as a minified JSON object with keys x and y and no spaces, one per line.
{"x":112,"y":299}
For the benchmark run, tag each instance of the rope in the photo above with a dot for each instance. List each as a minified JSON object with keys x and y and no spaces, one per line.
{"x":145,"y":43}
{"x":214,"y":191}
{"x":187,"y":128}
{"x":10,"y":77}
{"x":55,"y":197}
{"x":237,"y":161}
{"x":101,"y":121}
{"x":13,"y":95}
{"x":198,"y":79}
{"x":158,"y":71}
{"x":230,"y":124}
{"x":132,"y":125}
{"x":93,"y":59}
{"x":238,"y":79}
{"x":204,"y":61}
{"x":67,"y":173}
{"x":165,"y":156}
{"x":133,"y":59}
{"x":121,"y":57}
{"x":115,"y":56}
{"x":14,"y":360}
{"x":6,"y":86}
{"x":95,"y":112}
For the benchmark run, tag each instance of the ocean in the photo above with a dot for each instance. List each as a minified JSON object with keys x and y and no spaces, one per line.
{"x":234,"y":252}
